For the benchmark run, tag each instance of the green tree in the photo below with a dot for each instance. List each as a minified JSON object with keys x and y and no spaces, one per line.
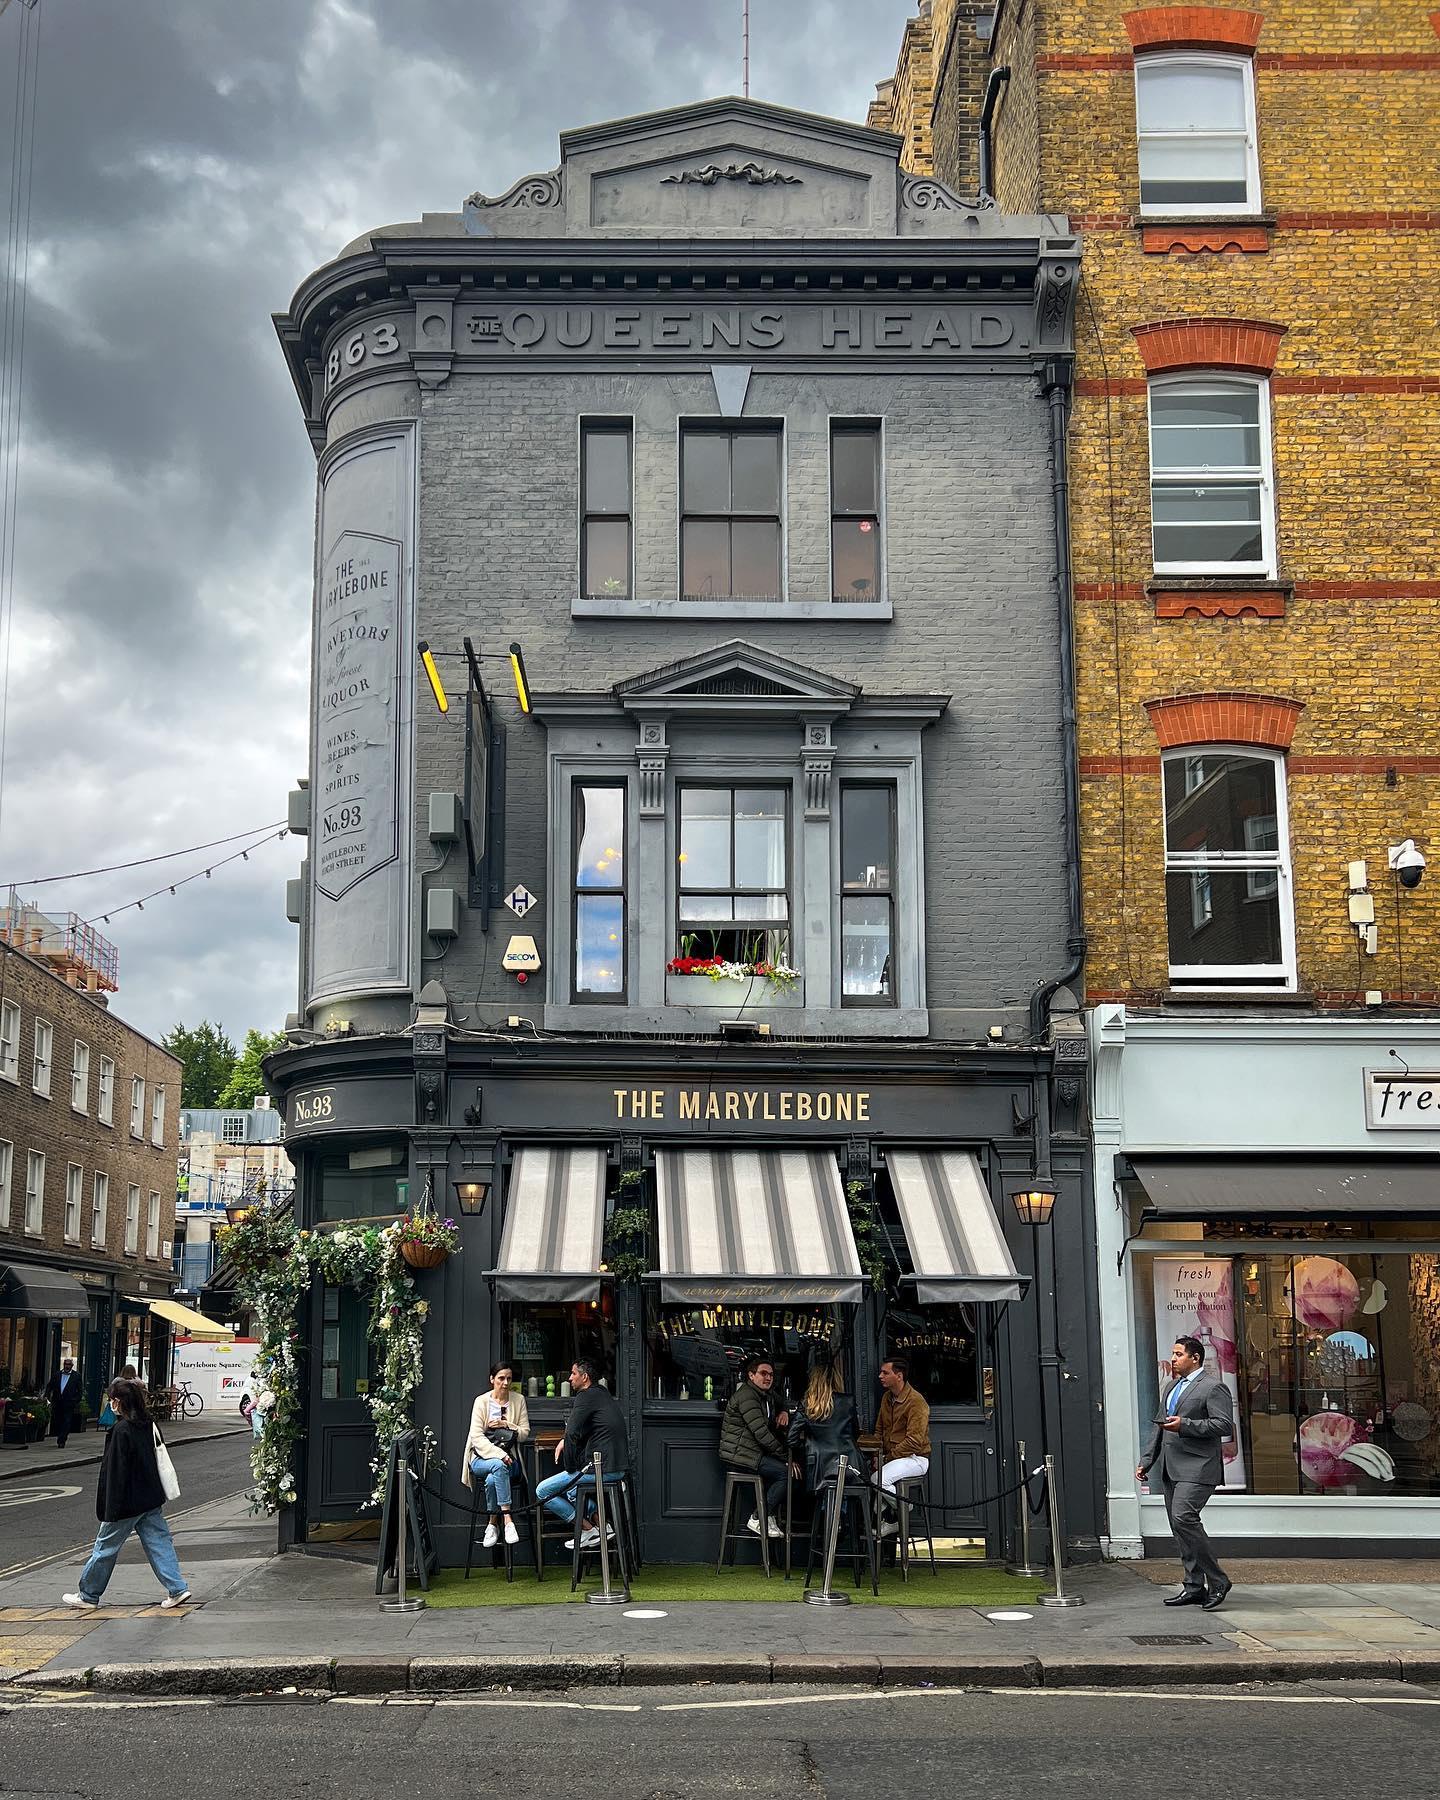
{"x":246,"y":1081}
{"x":208,"y":1058}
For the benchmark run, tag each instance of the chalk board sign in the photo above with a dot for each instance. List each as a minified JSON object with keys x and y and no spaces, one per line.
{"x":421,"y":1557}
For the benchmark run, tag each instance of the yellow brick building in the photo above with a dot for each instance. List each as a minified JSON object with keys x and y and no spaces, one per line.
{"x":1254,"y":453}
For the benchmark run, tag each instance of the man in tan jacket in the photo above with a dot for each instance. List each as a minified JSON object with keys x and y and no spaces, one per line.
{"x":903,"y":1427}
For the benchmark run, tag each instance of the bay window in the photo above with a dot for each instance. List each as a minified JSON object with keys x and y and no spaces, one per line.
{"x":1227,"y":877}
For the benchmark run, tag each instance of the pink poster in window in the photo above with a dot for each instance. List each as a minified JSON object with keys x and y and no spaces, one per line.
{"x":1195,"y":1297}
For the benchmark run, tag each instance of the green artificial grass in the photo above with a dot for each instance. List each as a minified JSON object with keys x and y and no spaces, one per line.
{"x":694,"y":1581}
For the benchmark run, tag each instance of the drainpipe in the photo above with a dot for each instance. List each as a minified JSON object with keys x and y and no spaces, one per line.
{"x":1056,"y":379}
{"x":997,"y":80}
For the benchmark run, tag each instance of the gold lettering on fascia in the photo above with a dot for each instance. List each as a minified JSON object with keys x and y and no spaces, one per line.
{"x":934,"y":330}
{"x":841,"y":1106}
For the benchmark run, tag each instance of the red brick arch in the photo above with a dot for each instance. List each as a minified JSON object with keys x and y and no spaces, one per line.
{"x":1225,"y":718}
{"x":1248,"y":344}
{"x":1193,"y":28}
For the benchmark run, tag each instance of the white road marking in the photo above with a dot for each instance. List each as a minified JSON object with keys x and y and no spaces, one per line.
{"x":810,"y":1699}
{"x":11,"y":1495}
{"x":1208,"y":1694}
{"x":509,"y":1701}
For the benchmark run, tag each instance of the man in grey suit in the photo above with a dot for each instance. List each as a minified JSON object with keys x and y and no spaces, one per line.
{"x":1196,"y":1416}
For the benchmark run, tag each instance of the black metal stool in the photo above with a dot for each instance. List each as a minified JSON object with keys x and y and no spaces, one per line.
{"x":627,"y":1537}
{"x":520,"y":1507}
{"x":909,"y":1490}
{"x":736,"y":1481}
{"x":857,"y":1502}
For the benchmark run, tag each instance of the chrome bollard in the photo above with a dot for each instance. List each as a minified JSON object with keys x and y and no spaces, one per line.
{"x":824,"y":1597}
{"x":1057,"y":1546}
{"x":1024,"y":1566}
{"x":400,"y":1604}
{"x":603,"y":1595}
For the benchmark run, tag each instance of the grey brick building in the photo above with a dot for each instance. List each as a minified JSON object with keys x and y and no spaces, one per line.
{"x":754,"y":446}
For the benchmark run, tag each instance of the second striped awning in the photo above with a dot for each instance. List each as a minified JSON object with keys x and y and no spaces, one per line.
{"x":956,"y":1244}
{"x":554,"y":1232}
{"x":754,"y":1225}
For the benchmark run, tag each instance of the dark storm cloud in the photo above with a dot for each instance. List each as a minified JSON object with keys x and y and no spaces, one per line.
{"x":193,"y":162}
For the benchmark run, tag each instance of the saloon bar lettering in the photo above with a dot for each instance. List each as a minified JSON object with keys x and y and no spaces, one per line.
{"x":743,"y":1106}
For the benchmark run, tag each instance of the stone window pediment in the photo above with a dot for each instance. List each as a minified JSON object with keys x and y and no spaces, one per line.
{"x":736,"y":679}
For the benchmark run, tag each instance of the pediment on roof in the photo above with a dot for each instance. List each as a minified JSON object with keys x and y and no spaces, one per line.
{"x":736,"y":677}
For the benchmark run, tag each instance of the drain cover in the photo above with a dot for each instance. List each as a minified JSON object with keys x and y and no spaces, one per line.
{"x":1174,"y":1637}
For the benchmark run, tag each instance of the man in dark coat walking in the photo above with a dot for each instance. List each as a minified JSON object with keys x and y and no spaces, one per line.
{"x":1196,"y":1417}
{"x":63,"y":1392}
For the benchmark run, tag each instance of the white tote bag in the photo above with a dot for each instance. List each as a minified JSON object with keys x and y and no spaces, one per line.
{"x":169,"y":1480}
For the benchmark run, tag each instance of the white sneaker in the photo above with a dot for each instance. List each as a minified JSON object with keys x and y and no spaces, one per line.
{"x":889,"y":1528}
{"x":774,"y":1529}
{"x":512,"y":1536}
{"x":589,"y":1540}
{"x":491,"y":1537}
{"x":171,"y":1601}
{"x":79,"y":1601}
{"x":753,"y":1524}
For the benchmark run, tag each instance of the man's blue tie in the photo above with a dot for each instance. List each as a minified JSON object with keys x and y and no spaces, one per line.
{"x":1172,"y":1405}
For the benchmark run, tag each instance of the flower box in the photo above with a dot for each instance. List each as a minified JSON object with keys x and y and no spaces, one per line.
{"x":755,"y":994}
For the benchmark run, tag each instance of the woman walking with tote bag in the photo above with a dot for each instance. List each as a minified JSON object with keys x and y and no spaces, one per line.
{"x":129,"y":1496}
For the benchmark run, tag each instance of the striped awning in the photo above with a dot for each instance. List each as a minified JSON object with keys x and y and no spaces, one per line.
{"x":554,"y":1231}
{"x":754,"y":1225}
{"x":956,"y":1245}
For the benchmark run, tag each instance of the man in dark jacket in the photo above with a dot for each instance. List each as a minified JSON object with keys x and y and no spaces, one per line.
{"x":750,"y":1438}
{"x":595,"y":1423}
{"x":63,"y":1393}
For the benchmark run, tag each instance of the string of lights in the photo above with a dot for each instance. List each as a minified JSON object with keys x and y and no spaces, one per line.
{"x":140,"y":862}
{"x":172,"y":887}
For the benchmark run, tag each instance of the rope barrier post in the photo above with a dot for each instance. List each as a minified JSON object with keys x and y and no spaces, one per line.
{"x":604,"y":1595}
{"x":824,"y":1597}
{"x":1024,"y":1566}
{"x":400,"y":1604}
{"x":1057,"y":1544}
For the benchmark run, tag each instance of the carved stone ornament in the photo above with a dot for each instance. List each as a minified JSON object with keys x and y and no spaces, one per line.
{"x":428,"y":1043}
{"x":529,"y":190}
{"x":918,"y":194}
{"x":755,"y":173}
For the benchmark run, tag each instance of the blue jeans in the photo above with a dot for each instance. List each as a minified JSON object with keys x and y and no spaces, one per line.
{"x":497,"y":1480}
{"x":155,"y":1540}
{"x":557,"y":1492}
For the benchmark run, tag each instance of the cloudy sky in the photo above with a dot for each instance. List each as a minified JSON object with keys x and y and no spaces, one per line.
{"x":192,"y":161}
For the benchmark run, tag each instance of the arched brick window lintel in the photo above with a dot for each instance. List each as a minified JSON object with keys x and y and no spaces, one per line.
{"x":1268,"y":720}
{"x":1247,"y":345}
{"x":1193,"y":28}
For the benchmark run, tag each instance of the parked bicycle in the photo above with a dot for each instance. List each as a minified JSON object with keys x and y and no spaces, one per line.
{"x":181,"y":1402}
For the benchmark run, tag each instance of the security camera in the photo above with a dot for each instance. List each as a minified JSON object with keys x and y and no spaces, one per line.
{"x":1408,"y":863}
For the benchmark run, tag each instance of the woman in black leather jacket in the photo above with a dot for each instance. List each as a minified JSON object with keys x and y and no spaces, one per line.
{"x":825,"y":1424}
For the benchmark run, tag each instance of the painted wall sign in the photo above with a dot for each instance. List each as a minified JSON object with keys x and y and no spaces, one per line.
{"x":369,"y":1103}
{"x":361,"y":721}
{"x":1396,"y":1102}
{"x":357,"y":775}
{"x":745,"y":1106}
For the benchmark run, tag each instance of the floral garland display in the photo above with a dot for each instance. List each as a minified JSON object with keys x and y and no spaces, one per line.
{"x":275,"y":1262}
{"x":779,"y":974}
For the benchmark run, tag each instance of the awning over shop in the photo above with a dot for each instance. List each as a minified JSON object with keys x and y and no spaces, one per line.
{"x":554,"y":1225}
{"x":193,"y":1324}
{"x":1194,"y":1187}
{"x":754,"y":1225}
{"x":31,"y":1291}
{"x":956,"y":1245}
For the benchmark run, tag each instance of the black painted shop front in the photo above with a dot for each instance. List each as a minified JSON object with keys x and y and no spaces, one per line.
{"x":370,"y":1124}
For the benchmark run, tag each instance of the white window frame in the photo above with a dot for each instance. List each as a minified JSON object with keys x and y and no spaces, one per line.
{"x":1238,"y":978}
{"x":80,"y":1077}
{"x":1249,"y":207}
{"x":157,"y":1116}
{"x":9,"y":1041}
{"x":105,"y":1092}
{"x":1201,"y":381}
{"x":99,"y":1208}
{"x":74,"y":1198}
{"x":152,"y":1224}
{"x":41,"y":1064}
{"x":34,"y":1193}
{"x":137,"y":1106}
{"x":234,"y":1128}
{"x":132,"y":1219}
{"x":7,"y":1174}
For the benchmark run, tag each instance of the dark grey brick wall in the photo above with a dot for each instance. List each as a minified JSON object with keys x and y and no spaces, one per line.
{"x":969,"y":546}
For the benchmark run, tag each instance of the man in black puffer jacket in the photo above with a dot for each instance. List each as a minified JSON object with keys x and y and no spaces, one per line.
{"x":751,"y":1438}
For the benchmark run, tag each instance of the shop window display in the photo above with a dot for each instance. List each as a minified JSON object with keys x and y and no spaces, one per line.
{"x":1334,"y":1361}
{"x":371,"y":1194}
{"x":542,"y":1341}
{"x":943,"y":1347}
{"x":697,"y":1352}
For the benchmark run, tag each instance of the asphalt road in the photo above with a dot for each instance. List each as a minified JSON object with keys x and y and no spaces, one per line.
{"x":690,"y":1744}
{"x":50,"y":1514}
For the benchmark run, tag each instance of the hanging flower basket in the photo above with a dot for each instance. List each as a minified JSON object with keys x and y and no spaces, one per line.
{"x":423,"y":1256}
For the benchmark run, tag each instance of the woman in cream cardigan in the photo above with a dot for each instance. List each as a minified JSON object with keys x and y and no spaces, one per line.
{"x":501,"y":1410}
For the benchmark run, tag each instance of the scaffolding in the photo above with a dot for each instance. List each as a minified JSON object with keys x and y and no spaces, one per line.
{"x":68,"y":945}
